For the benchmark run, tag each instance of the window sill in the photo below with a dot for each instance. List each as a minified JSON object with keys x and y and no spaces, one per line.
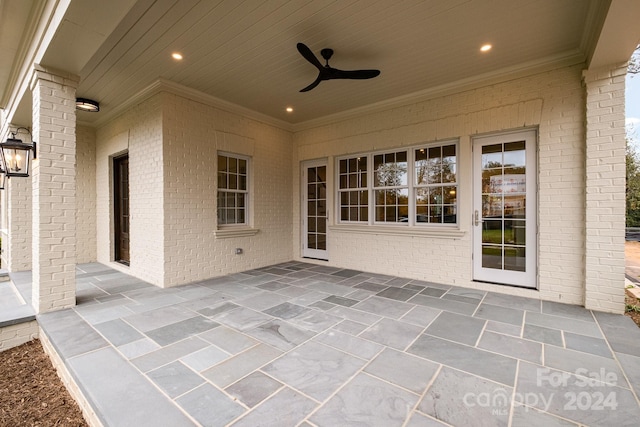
{"x":227,"y":233}
{"x":442,"y":233}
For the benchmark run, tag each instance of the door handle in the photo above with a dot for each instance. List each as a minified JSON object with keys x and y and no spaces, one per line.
{"x":476,"y":218}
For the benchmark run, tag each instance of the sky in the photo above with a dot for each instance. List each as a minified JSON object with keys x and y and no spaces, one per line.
{"x":632,"y":94}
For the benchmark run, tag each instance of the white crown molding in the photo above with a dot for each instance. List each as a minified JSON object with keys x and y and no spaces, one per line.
{"x":167,"y":86}
{"x":475,"y":82}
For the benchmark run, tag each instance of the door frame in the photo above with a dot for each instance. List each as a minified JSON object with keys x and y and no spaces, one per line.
{"x":117,"y":208}
{"x":305,"y":251}
{"x":529,"y":277}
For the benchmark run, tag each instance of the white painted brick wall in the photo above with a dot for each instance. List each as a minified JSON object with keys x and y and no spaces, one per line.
{"x":15,"y":335}
{"x":605,"y":192}
{"x":552,"y":101}
{"x":193,"y":135}
{"x":173,"y":144}
{"x":86,"y":194}
{"x":138,"y":131}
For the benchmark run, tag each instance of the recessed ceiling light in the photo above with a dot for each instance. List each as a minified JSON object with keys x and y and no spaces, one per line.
{"x":176,"y":56}
{"x":289,"y":109}
{"x":485,"y":48}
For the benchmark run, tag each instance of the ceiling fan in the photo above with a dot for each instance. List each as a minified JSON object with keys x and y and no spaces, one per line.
{"x":328,"y":73}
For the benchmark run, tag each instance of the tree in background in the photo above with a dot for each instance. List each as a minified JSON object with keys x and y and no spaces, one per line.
{"x":633,"y":159}
{"x":633,"y":187}
{"x":634,"y":63}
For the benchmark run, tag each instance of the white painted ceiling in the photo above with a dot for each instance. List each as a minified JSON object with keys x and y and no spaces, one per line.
{"x":244,"y":52}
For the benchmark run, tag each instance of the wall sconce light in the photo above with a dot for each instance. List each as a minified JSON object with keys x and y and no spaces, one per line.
{"x":15,"y":155}
{"x":3,"y":179}
{"x":84,"y":104}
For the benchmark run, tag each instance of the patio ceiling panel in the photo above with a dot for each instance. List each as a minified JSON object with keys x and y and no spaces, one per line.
{"x":243,"y":52}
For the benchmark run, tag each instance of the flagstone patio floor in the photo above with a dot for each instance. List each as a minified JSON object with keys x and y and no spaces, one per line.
{"x":299,"y":344}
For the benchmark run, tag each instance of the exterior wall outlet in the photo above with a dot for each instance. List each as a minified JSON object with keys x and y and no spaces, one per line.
{"x":239,"y":251}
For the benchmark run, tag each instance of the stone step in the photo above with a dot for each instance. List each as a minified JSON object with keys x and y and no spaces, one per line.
{"x":4,"y":275}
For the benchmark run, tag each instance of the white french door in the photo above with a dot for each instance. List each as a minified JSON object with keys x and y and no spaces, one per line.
{"x":504,"y":198}
{"x":314,"y":210}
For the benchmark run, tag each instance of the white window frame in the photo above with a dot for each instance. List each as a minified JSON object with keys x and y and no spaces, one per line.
{"x":246,"y":192}
{"x":412,"y":187}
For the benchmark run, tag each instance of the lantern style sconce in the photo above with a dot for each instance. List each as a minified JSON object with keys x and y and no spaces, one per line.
{"x":3,"y":179}
{"x":16,"y":155}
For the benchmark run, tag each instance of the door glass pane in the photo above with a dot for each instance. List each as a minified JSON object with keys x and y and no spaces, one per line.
{"x":514,"y":258}
{"x":514,"y":232}
{"x":514,"y":154}
{"x":492,"y":256}
{"x":503,"y":206}
{"x":316,"y":206}
{"x":492,"y":231}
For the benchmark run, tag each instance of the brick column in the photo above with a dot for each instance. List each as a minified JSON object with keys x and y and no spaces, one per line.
{"x":54,"y":190}
{"x":605,"y":188}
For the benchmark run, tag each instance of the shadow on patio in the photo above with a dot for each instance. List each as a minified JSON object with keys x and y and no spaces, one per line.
{"x":301,"y":344}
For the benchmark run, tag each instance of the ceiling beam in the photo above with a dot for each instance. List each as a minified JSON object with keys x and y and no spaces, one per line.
{"x":619,"y":36}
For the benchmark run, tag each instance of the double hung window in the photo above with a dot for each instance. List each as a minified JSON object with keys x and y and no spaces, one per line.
{"x":233,"y":189}
{"x":414,"y":186}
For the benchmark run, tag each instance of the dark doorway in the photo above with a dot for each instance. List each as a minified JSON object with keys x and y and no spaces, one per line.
{"x":121,"y":208}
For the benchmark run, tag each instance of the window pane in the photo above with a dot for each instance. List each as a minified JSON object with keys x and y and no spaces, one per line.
{"x":233,"y":182}
{"x":353,"y":214}
{"x":353,"y":180}
{"x":364,"y":214}
{"x":242,"y":166}
{"x":353,"y":165}
{"x":343,"y":181}
{"x":242,"y":185}
{"x":343,"y":166}
{"x":449,"y":214}
{"x":222,"y":180}
{"x":391,"y":169}
{"x":449,"y":195}
{"x":233,"y":165}
{"x":378,"y":161}
{"x":353,"y":197}
{"x":222,"y":164}
{"x":364,"y":197}
{"x":231,"y":200}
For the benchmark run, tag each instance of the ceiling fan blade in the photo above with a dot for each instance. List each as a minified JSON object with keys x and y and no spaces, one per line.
{"x":312,"y":85}
{"x":308,"y":55}
{"x":356,"y":74}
